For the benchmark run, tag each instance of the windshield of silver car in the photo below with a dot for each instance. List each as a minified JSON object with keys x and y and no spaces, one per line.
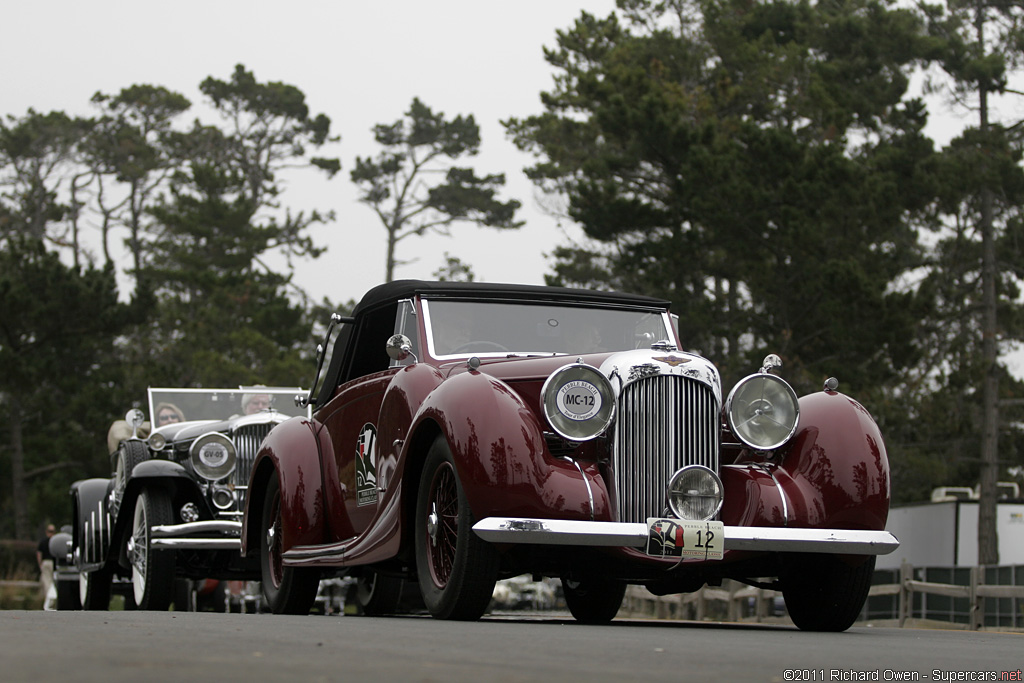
{"x":501,"y":328}
{"x":168,"y":406}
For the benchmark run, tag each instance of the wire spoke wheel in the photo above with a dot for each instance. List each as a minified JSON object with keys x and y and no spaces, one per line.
{"x":455,"y":568}
{"x":287,"y":590}
{"x":152,"y":570}
{"x":443,"y":524}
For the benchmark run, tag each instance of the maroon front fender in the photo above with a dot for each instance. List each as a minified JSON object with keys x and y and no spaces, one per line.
{"x":500,"y":454}
{"x":291,"y":450}
{"x":836,"y":472}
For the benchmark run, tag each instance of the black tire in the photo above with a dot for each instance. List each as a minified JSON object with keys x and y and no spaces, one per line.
{"x":129,"y":454}
{"x":593,"y":601}
{"x":94,"y":589}
{"x":67,"y":596}
{"x":824,"y":593}
{"x":456,"y":569}
{"x":287,"y":590}
{"x":378,"y":594}
{"x":185,"y":599}
{"x":152,"y":570}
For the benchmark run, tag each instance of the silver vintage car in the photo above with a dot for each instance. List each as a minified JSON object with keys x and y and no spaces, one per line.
{"x":171,"y":510}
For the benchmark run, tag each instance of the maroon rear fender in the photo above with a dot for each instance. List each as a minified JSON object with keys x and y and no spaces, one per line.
{"x":835,"y":473}
{"x":501,"y":456}
{"x":293,"y":452}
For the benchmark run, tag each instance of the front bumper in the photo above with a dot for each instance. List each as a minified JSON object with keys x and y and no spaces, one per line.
{"x":208,"y":535}
{"x":634,"y":535}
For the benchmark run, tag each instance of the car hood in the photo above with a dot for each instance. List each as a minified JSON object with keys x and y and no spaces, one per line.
{"x":621,"y":368}
{"x":187,"y":431}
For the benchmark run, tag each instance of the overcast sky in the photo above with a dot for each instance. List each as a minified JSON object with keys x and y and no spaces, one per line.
{"x":360,"y":63}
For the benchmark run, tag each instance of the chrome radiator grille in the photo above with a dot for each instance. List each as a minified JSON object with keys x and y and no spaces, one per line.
{"x":665,"y":422}
{"x":247,"y":441}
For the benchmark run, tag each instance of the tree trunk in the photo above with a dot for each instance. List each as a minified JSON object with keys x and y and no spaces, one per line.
{"x":389,"y":270}
{"x":988,"y":539}
{"x":21,"y":526}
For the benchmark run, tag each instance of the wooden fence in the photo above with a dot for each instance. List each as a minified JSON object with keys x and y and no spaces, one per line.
{"x":736,"y":602}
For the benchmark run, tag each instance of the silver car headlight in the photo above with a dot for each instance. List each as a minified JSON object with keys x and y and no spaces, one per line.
{"x":762,"y":411}
{"x":213,"y":456}
{"x":578,"y":401}
{"x":157,"y":441}
{"x":695,"y":493}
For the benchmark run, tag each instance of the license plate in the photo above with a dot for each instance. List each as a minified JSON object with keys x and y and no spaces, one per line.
{"x":678,"y":538}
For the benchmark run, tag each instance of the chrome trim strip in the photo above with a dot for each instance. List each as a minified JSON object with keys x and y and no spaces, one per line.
{"x":302,"y":554}
{"x":178,"y":536}
{"x":590,"y":492}
{"x":197,"y":543}
{"x":634,"y":535}
{"x":782,"y":493}
{"x":205,"y":527}
{"x":561,"y":532}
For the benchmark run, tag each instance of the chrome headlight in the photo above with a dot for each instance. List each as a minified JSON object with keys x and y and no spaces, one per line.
{"x":578,"y":401}
{"x":762,"y":411}
{"x":213,"y":456}
{"x":157,"y":441}
{"x":695,"y":493}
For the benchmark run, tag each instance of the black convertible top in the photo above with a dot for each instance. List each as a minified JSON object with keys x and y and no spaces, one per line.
{"x":406,"y":289}
{"x":359,"y":348}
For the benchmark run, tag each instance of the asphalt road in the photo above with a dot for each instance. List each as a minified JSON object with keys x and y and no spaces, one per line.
{"x":167,"y":646}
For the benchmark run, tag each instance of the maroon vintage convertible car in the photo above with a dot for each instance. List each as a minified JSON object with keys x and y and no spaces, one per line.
{"x":467,"y":432}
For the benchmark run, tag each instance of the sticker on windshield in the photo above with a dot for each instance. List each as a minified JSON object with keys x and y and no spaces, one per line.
{"x":578,"y":400}
{"x":366,"y":466}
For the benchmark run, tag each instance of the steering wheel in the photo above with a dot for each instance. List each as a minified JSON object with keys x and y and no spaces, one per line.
{"x":476,"y":346}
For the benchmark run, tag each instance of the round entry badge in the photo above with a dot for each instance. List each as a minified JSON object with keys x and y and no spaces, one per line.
{"x":578,"y":400}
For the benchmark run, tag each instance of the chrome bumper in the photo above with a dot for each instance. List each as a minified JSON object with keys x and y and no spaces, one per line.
{"x":634,"y":535}
{"x":189,"y":536}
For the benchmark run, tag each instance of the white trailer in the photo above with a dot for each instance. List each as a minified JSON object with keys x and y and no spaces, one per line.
{"x":945,"y":534}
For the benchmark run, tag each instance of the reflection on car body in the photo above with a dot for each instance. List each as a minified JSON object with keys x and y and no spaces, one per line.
{"x":466,"y":432}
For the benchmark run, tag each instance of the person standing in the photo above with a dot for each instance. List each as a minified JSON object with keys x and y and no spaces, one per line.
{"x":45,"y":561}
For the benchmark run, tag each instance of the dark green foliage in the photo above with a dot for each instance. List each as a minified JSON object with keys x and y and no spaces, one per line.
{"x":58,"y":327}
{"x":36,"y":153}
{"x":763,"y":167}
{"x":395,"y":184}
{"x":753,"y":165}
{"x":223,"y":320}
{"x":202,"y":211}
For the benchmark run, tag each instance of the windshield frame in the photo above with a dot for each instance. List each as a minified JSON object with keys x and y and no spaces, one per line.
{"x":667,"y":328}
{"x":192,"y":404}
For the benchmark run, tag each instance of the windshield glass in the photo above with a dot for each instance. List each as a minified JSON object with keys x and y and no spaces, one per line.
{"x":167,"y":406}
{"x":499,"y":328}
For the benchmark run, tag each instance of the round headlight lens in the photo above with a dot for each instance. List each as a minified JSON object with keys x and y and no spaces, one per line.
{"x":157,"y":441}
{"x":695,"y":493}
{"x":213,"y":456}
{"x":579,"y":402}
{"x":763,"y":411}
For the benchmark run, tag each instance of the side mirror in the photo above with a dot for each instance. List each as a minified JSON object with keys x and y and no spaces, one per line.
{"x":399,"y":348}
{"x":135,"y":418}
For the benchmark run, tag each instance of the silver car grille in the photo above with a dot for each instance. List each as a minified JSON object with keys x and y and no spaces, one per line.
{"x":665,"y":422}
{"x":247,"y":440}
